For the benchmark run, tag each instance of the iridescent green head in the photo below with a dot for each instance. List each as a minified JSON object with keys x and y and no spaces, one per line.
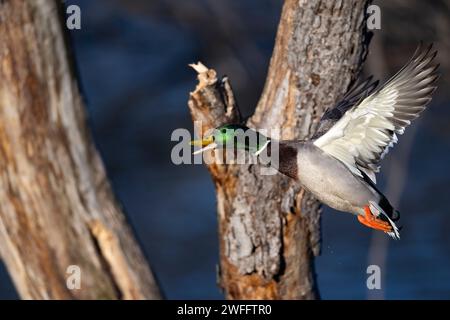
{"x":233,"y":136}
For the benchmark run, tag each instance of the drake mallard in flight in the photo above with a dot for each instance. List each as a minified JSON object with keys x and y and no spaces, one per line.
{"x":339,"y":163}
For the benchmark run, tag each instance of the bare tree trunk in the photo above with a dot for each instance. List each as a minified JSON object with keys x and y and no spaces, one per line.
{"x":269,"y":227}
{"x":56,"y":207}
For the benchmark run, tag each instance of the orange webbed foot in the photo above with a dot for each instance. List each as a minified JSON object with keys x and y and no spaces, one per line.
{"x":372,"y":222}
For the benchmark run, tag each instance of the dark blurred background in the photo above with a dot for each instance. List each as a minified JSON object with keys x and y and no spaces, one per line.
{"x":133,"y":57}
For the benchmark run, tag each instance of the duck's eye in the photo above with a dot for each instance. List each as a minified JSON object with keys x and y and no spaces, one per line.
{"x":223,"y":131}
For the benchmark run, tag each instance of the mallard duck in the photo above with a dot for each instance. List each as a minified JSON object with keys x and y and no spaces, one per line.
{"x":339,"y":163}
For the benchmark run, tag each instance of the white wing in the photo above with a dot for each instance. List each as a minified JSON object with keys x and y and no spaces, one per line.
{"x":362,"y":137}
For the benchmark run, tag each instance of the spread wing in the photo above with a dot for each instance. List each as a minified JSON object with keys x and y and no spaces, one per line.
{"x":363,"y":135}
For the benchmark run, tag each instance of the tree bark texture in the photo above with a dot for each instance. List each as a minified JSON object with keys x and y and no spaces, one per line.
{"x":269,"y":228}
{"x":57,"y":208}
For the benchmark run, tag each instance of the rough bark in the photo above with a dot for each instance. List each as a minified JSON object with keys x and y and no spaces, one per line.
{"x":56,"y":207}
{"x":269,"y":227}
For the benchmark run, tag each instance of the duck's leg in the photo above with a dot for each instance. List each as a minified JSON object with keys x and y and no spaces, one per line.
{"x":372,"y":222}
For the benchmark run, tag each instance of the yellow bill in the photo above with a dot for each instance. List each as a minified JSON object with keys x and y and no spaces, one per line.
{"x":207,"y":144}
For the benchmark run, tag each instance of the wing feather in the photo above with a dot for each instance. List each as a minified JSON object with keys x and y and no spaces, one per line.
{"x":363,"y":135}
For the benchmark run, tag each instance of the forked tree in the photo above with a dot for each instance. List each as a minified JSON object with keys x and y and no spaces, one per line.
{"x":269,"y":228}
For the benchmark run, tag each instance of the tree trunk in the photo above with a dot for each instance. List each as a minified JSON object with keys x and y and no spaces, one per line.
{"x":269,"y":227}
{"x":56,"y":207}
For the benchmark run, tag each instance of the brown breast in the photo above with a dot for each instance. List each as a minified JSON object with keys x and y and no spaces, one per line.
{"x":288,"y":160}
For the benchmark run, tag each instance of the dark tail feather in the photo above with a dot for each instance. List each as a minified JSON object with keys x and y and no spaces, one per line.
{"x":393,"y":214}
{"x":384,"y":203}
{"x":379,"y":212}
